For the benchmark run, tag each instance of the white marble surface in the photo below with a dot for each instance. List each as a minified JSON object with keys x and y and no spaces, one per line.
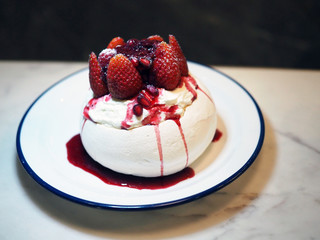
{"x":278,"y":197}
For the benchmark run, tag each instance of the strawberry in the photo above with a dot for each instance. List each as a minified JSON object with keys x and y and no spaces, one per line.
{"x":116,"y":42}
{"x":104,"y":59}
{"x":124,"y":80}
{"x":165,"y":69}
{"x":98,"y":87}
{"x":156,"y":38}
{"x":105,"y":56}
{"x":183,"y":66}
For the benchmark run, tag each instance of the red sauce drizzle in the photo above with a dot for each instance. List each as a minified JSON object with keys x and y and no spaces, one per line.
{"x":200,"y":89}
{"x":217,"y":136}
{"x":177,"y":121}
{"x":157,"y":132}
{"x":191,"y":80}
{"x":92,"y":104}
{"x":187,"y":81}
{"x":80,"y":158}
{"x":129,"y":115}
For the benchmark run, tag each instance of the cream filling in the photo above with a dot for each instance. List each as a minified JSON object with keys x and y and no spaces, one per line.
{"x":111,"y":112}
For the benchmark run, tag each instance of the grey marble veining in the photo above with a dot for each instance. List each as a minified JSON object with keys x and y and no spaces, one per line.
{"x":278,"y":197}
{"x":298,"y":140}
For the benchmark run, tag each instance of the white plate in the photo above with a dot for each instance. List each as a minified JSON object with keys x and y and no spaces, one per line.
{"x":54,"y":118}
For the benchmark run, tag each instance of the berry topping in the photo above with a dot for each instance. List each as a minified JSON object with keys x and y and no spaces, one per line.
{"x":134,"y":61}
{"x":104,"y":59}
{"x":132,"y":42}
{"x":145,"y":62}
{"x":152,"y":62}
{"x":137,"y":110}
{"x":165,"y":67}
{"x":98,"y":87}
{"x":117,"y":41}
{"x":105,"y":56}
{"x":143,"y":100}
{"x":152,"y":90}
{"x":124,"y":80}
{"x":179,"y":55}
{"x":156,"y":38}
{"x":138,"y":49}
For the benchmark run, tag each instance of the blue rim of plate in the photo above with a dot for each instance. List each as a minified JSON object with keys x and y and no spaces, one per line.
{"x":176,"y":202}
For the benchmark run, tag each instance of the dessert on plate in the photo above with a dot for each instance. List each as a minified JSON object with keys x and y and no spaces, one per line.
{"x":146,"y":115}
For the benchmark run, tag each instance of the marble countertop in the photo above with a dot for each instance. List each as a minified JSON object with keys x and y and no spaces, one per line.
{"x":278,"y":197}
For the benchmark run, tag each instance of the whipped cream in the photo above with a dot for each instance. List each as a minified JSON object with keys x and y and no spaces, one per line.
{"x":111,"y":112}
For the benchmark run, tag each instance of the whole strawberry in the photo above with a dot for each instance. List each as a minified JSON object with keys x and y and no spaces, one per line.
{"x":165,"y":69}
{"x":124,"y":80}
{"x":117,"y":41}
{"x":183,"y":66}
{"x":105,"y":56}
{"x":155,"y":38}
{"x":104,"y":59}
{"x":98,"y":87}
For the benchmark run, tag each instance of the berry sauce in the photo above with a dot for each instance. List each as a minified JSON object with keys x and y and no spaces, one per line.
{"x":183,"y":139}
{"x":157,"y":132}
{"x":139,"y":49}
{"x":217,"y":136}
{"x":80,"y":158}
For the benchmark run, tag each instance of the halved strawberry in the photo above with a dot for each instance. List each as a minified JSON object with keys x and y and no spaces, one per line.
{"x":183,"y":66}
{"x":116,"y":42}
{"x":165,"y":68}
{"x":98,"y":87}
{"x":124,"y":80}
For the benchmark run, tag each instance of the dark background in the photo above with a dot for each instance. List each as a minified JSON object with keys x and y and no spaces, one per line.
{"x":265,"y":33}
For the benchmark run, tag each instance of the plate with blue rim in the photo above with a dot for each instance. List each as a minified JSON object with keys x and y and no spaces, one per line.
{"x":55,"y":117}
